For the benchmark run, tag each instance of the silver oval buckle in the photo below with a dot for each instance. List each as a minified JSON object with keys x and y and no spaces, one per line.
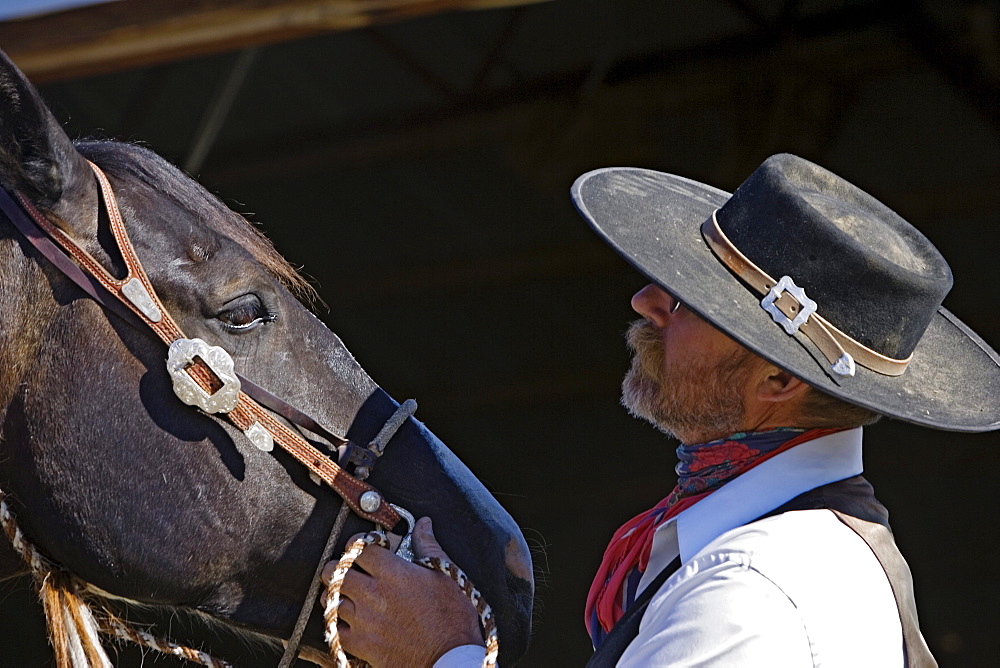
{"x":182,"y":354}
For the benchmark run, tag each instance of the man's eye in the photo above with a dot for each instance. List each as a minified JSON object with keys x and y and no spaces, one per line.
{"x":244,"y":314}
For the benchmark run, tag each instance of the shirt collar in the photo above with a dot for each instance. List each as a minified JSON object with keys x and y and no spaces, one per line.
{"x":768,"y":485}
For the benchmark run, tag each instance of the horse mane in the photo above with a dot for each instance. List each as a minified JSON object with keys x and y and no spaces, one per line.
{"x":125,"y":159}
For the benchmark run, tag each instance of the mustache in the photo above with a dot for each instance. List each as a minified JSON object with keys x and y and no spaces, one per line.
{"x":641,"y":335}
{"x":646,"y":345}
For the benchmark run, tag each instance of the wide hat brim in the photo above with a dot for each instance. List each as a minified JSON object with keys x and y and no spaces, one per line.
{"x":653,"y":220}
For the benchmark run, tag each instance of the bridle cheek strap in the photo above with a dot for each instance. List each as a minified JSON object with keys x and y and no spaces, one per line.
{"x":788,"y":305}
{"x":203,"y":375}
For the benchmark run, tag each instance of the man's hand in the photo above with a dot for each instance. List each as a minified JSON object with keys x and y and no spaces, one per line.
{"x":395,"y":613}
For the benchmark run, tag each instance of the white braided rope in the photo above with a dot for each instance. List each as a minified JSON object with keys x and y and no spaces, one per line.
{"x":123,"y":631}
{"x":42,"y":568}
{"x":82,"y":633}
{"x":332,"y":611}
{"x":486,"y":619}
{"x":37,"y":562}
{"x":333,"y":598}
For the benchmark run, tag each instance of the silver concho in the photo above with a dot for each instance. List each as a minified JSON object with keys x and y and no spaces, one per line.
{"x":260,"y":437}
{"x":844,"y":366}
{"x":181,"y":354}
{"x":370,"y":501}
{"x":136,"y":293}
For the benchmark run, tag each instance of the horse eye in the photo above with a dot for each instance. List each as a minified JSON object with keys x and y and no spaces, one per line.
{"x":244,"y":314}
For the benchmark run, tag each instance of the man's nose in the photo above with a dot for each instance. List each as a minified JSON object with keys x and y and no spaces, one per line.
{"x":654,"y":304}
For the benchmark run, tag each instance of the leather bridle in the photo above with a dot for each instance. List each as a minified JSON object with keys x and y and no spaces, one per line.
{"x":203,"y":375}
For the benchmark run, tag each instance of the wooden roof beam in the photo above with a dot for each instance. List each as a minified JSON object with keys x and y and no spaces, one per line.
{"x":121,"y":35}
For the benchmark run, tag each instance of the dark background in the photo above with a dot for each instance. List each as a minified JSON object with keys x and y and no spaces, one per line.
{"x":419,"y":172}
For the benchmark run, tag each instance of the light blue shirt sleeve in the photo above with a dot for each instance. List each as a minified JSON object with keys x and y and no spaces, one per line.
{"x":464,"y":656}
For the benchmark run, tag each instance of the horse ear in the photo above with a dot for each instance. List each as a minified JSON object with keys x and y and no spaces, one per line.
{"x":36,"y":155}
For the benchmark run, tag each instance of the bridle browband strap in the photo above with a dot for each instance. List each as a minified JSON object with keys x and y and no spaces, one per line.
{"x":789,"y":306}
{"x":134,"y":298}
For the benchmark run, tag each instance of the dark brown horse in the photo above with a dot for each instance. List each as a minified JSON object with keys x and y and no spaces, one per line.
{"x":147,"y":499}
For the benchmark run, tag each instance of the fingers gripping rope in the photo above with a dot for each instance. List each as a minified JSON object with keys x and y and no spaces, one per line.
{"x":333,"y":599}
{"x":486,"y":619}
{"x":332,"y":611}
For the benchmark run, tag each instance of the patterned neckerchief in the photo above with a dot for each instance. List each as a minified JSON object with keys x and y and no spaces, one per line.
{"x":702,"y":468}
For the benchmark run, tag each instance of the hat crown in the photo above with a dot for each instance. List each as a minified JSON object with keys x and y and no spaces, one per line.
{"x":873,"y":275}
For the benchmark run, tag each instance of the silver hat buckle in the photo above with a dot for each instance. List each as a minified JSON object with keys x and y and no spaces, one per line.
{"x":844,"y":366}
{"x":807,"y":306}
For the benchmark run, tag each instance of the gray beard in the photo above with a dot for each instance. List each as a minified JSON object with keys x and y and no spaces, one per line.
{"x":691,"y":403}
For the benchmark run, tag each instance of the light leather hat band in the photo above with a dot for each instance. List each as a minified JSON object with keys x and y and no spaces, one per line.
{"x":795,"y":312}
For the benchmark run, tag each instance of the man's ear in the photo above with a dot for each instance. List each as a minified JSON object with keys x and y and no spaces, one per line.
{"x":780,"y":386}
{"x":36,"y":156}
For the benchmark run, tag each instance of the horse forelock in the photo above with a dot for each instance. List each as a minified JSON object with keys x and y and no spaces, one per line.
{"x":131,"y":160}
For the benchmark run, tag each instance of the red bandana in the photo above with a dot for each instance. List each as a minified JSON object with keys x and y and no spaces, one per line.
{"x":703,"y":469}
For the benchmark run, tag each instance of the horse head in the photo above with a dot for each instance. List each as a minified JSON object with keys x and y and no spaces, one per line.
{"x":147,"y":499}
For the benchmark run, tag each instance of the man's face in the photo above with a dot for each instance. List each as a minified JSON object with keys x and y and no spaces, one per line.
{"x":687,"y":378}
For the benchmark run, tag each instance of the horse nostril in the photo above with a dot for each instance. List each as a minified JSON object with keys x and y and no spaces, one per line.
{"x":518,"y":559}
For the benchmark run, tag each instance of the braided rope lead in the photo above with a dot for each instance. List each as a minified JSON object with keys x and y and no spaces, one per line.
{"x":333,"y":599}
{"x":486,"y":618}
{"x":32,"y":557}
{"x":109,"y":625}
{"x":119,"y":629}
{"x":332,"y":611}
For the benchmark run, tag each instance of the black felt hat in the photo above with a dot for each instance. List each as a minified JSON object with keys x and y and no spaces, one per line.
{"x":814,"y":241}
